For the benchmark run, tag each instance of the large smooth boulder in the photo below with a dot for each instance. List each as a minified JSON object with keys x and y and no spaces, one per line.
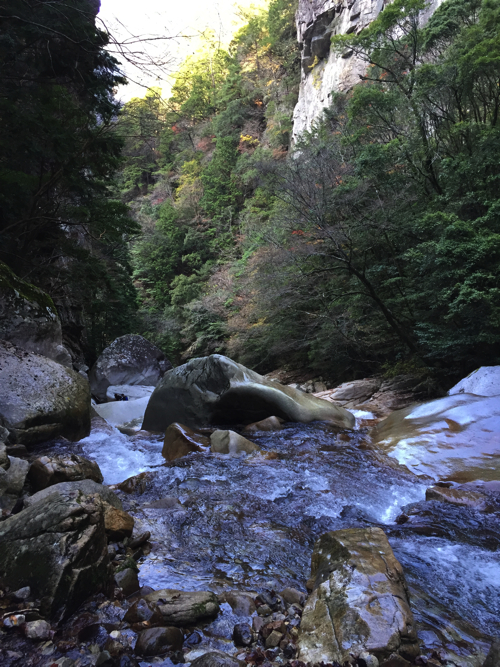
{"x":456,"y":437}
{"x":183,"y":607}
{"x":58,"y":548}
{"x":359,"y":602}
{"x":129,"y":360}
{"x":484,"y":381}
{"x":40,"y":399}
{"x":74,"y":491}
{"x":49,"y":470}
{"x":217,"y":390}
{"x":29,"y":318}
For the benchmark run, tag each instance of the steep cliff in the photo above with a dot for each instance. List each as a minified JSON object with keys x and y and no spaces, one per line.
{"x":322,"y":70}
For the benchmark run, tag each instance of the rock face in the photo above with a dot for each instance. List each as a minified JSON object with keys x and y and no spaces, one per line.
{"x":484,"y":381}
{"x":456,"y":437}
{"x":323,"y":71}
{"x":216,"y":389}
{"x":229,"y":442}
{"x":40,"y":399}
{"x":359,"y":601}
{"x":29,"y":319}
{"x":184,"y":608}
{"x":58,"y":548}
{"x":180,"y":441}
{"x":129,"y":360}
{"x":49,"y":470}
{"x":74,"y":491}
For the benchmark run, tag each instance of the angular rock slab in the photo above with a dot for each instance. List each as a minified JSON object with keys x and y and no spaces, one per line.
{"x":184,"y":608}
{"x":129,"y":360}
{"x":217,"y":390}
{"x":40,"y":399}
{"x":359,"y":600}
{"x":456,"y":438}
{"x":58,"y":548}
{"x":180,"y":441}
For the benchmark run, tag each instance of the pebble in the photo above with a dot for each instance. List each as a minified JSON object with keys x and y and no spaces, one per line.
{"x":22,"y":593}
{"x":264,"y":610}
{"x":14,"y":621}
{"x":242,"y":634}
{"x":274,"y":639}
{"x":37,"y":630}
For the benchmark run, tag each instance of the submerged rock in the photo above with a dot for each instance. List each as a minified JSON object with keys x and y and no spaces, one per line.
{"x":462,"y":497}
{"x":180,"y":441}
{"x":216,"y":389}
{"x":484,"y":381}
{"x":40,"y":399}
{"x":456,"y":437}
{"x":359,"y":600}
{"x":74,"y":490}
{"x":129,"y":360}
{"x":183,"y":607}
{"x":216,"y":659}
{"x":29,"y":318}
{"x":269,"y":424}
{"x":229,"y":442}
{"x":49,"y":470}
{"x":58,"y":548}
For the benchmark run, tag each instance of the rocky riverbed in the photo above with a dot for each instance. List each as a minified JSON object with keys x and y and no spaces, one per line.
{"x":244,"y":528}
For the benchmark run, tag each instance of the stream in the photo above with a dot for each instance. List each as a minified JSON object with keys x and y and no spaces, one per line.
{"x":249,"y":523}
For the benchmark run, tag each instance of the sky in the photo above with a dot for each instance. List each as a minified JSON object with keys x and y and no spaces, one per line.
{"x":182,"y":21}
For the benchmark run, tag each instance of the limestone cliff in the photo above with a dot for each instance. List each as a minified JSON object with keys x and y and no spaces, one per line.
{"x":322,"y":70}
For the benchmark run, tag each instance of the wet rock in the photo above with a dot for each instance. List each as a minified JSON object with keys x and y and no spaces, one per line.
{"x":367,"y":660}
{"x":359,"y":601}
{"x":184,"y":608}
{"x":128,"y":581}
{"x":216,"y":389}
{"x":139,"y":612}
{"x":216,"y":659}
{"x":454,"y":438}
{"x":271,"y":599}
{"x":484,"y":381}
{"x":49,"y":470}
{"x":129,"y":360}
{"x":269,"y":424}
{"x":458,"y":523}
{"x":242,"y":604}
{"x":73,"y":490}
{"x":293,"y":596}
{"x":22,"y":593}
{"x":462,"y":497}
{"x":493,"y":657}
{"x":4,"y":458}
{"x":12,"y":482}
{"x":118,"y":523}
{"x":264,"y":610}
{"x":127,"y":661}
{"x":29,"y":318}
{"x":274,"y":639}
{"x":104,"y":659}
{"x":180,"y":441}
{"x":229,"y":442}
{"x":156,"y":641}
{"x":40,"y":399}
{"x":258,"y":623}
{"x":58,"y":548}
{"x":136,"y":484}
{"x":140,"y":540}
{"x":37,"y":630}
{"x":167,"y":503}
{"x":242,"y":634}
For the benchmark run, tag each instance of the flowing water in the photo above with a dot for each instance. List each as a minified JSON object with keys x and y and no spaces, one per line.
{"x":249,"y":523}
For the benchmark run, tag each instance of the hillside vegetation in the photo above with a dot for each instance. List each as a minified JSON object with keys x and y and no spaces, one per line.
{"x":371,"y":245}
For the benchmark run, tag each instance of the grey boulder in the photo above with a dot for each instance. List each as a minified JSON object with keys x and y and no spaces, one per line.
{"x":215,"y":389}
{"x":74,"y":491}
{"x":359,"y":601}
{"x":183,"y":607}
{"x":40,"y":399}
{"x":58,"y":548}
{"x":12,"y":480}
{"x":29,"y":319}
{"x":129,"y":360}
{"x":49,"y":470}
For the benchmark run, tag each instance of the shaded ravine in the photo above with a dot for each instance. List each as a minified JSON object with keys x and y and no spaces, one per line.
{"x":221,"y":523}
